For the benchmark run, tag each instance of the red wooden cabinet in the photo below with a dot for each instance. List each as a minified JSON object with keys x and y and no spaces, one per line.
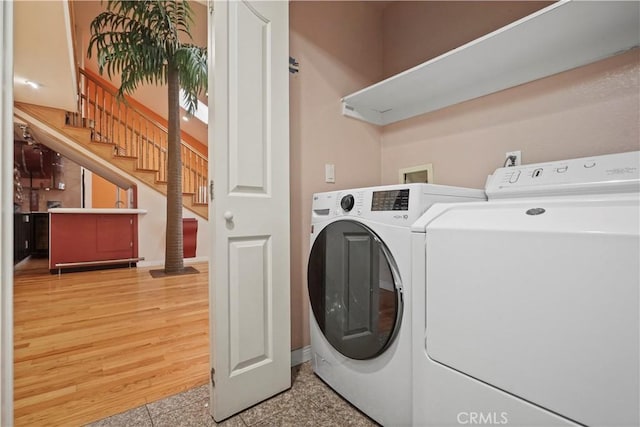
{"x":189,"y":237}
{"x":92,"y":239}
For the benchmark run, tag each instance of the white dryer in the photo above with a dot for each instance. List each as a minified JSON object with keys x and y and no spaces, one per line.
{"x":359,"y":290}
{"x":530,"y":314}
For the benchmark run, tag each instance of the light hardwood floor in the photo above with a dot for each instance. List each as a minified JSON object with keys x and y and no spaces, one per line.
{"x":92,"y":344}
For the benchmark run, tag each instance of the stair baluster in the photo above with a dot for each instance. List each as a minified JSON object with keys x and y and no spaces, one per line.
{"x":134,"y":134}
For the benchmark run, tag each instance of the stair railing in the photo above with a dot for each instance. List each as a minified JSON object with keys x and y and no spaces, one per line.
{"x":134,"y":134}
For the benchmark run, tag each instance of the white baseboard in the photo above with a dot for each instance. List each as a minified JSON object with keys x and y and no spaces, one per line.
{"x":196,"y":260}
{"x":300,"y":355}
{"x":187,"y":261}
{"x":156,"y":263}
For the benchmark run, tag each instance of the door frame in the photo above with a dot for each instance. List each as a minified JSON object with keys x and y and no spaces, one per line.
{"x":6,"y":208}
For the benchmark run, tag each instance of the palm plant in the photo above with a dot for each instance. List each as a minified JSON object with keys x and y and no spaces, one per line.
{"x":140,"y":40}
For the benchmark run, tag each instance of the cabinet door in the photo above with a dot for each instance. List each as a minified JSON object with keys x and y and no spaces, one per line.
{"x":92,"y":237}
{"x":40,"y":236}
{"x":21,"y":237}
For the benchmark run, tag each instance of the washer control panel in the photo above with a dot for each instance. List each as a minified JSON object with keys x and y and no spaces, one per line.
{"x":393,"y":204}
{"x":577,"y":176}
{"x":390,"y":200}
{"x":397,"y":204}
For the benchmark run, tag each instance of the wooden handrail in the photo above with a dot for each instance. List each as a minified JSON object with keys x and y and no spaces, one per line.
{"x":98,"y":107}
{"x":143,"y":110}
{"x":135,"y":133}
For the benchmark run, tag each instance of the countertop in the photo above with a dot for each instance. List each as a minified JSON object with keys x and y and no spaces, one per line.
{"x":97,"y":211}
{"x":32,"y":212}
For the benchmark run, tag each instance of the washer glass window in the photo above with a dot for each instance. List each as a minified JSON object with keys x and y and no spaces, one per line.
{"x":352,"y":283}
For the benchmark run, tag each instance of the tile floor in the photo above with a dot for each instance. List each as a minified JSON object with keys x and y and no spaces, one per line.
{"x":309,"y":402}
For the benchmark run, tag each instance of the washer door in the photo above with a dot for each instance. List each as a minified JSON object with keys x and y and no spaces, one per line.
{"x":353,"y":288}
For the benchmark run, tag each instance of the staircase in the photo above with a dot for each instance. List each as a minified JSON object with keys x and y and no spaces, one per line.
{"x":129,"y":139}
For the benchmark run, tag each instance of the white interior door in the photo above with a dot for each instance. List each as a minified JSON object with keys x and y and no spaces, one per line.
{"x":249,"y":214}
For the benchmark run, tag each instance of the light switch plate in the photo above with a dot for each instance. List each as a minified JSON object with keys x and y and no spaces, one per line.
{"x":330,"y":173}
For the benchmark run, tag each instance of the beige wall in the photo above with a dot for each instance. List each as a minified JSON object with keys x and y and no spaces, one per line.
{"x":345,"y":46}
{"x":587,"y":111}
{"x":416,"y":31}
{"x":338,"y":46}
{"x":152,"y":228}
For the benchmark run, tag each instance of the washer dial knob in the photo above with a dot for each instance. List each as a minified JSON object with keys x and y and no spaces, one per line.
{"x":347,"y":202}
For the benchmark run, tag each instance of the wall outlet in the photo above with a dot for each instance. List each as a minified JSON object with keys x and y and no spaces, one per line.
{"x":518,"y":158}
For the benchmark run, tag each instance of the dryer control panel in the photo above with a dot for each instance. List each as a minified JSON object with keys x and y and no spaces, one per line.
{"x":613,"y":173}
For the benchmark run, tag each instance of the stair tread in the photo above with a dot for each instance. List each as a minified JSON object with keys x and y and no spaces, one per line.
{"x":74,"y":127}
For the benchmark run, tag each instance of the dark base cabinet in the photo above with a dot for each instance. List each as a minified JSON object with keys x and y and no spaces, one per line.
{"x":22,"y":234}
{"x":40,"y":247}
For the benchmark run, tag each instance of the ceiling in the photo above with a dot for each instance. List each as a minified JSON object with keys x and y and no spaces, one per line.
{"x":43,"y":53}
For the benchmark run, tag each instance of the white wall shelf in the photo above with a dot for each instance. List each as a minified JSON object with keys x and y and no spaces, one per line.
{"x":557,"y":38}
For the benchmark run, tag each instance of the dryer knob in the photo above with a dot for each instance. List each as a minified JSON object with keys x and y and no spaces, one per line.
{"x":347,"y":202}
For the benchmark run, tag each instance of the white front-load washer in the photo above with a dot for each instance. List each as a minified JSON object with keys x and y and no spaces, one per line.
{"x":526,"y":307}
{"x":359,"y":291}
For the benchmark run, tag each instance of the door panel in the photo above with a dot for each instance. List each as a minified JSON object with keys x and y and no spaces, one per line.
{"x":249,"y":213}
{"x":249,"y":315}
{"x":360,"y":322}
{"x":249,"y":99}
